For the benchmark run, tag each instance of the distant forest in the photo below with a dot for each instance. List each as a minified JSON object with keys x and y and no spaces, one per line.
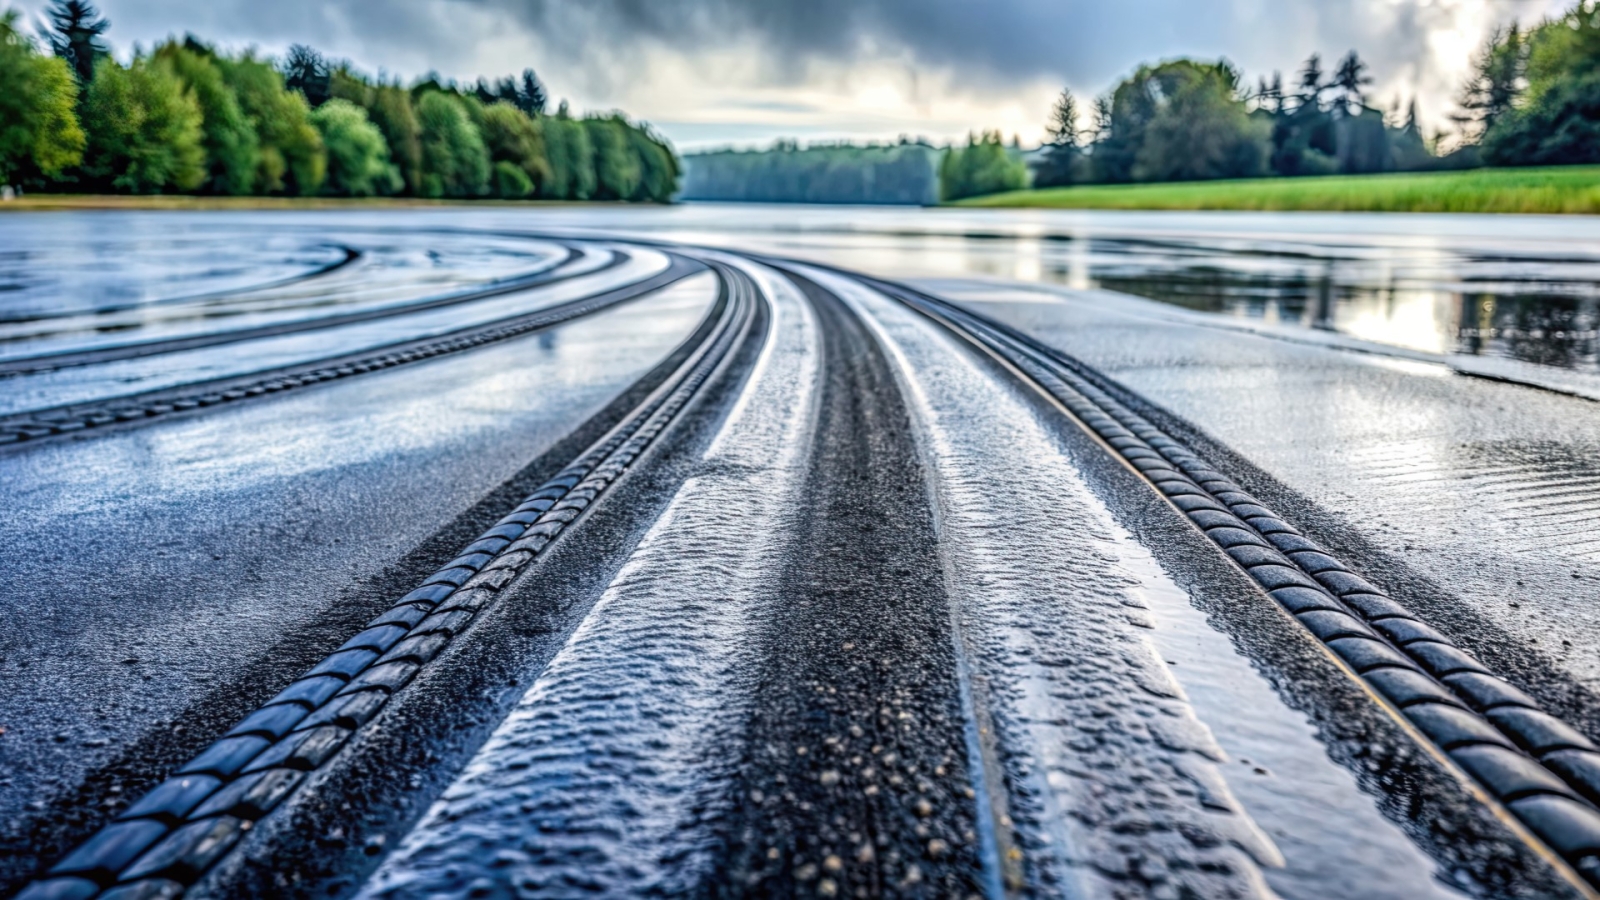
{"x":185,"y":117}
{"x":903,"y":173}
{"x":1533,"y":99}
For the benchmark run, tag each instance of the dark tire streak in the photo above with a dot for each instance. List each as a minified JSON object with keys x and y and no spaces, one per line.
{"x":351,"y":255}
{"x":99,"y":416}
{"x":46,"y":362}
{"x":1475,"y":851}
{"x":855,"y":777}
{"x":74,"y":814}
{"x":1570,"y":836}
{"x":329,"y":838}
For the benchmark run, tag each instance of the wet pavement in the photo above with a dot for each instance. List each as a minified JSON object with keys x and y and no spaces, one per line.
{"x":871,"y":614}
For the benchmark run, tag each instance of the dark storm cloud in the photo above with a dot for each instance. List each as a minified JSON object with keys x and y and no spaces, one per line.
{"x":995,"y":41}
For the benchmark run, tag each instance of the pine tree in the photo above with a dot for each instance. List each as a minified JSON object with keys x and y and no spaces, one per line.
{"x":1311,"y":84}
{"x":1350,"y":79}
{"x":1064,"y":120}
{"x":76,"y":34}
{"x":532,"y":98}
{"x":1496,"y":81}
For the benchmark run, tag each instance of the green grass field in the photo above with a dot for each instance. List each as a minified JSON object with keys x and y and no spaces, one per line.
{"x":1568,"y":190}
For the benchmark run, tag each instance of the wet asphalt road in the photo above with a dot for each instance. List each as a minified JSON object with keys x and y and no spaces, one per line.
{"x":869,"y":615}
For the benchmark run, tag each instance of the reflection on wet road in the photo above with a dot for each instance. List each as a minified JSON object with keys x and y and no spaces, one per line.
{"x":613,"y":551}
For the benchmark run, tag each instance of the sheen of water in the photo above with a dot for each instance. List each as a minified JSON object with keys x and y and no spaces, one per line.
{"x":1114,"y":702}
{"x":612,"y":772}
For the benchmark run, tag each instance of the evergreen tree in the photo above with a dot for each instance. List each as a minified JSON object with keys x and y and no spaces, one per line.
{"x":77,"y":35}
{"x":1496,"y":82}
{"x":1062,"y":150}
{"x":1312,"y":86}
{"x":531,"y":96}
{"x":1351,"y":80}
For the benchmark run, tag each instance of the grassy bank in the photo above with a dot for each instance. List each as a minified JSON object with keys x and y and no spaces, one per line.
{"x":36,"y":202}
{"x":1567,"y":189}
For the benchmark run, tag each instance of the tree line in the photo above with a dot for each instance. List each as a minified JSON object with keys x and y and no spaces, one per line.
{"x":186,"y":117}
{"x":1188,"y":120}
{"x":1533,"y":99}
{"x":901,"y":173}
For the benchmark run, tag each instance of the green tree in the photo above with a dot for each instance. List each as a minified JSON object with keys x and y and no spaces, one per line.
{"x":358,"y":156}
{"x":1554,"y":113}
{"x":39,"y":131}
{"x":454,"y":160}
{"x":511,"y":182}
{"x":514,"y":139}
{"x":233,"y":152}
{"x":1199,"y":127}
{"x":572,"y":175}
{"x":1496,"y":82}
{"x":77,"y":35}
{"x":658,"y":167}
{"x":984,"y":166}
{"x":616,"y":168}
{"x":292,"y":159}
{"x":389,"y":107}
{"x":144,"y":129}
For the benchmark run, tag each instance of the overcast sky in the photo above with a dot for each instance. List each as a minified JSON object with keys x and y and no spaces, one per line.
{"x":711,"y":72}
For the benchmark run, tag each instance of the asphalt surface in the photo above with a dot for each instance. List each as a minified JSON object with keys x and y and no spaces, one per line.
{"x":778,"y":581}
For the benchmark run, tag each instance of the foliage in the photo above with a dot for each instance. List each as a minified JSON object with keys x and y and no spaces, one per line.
{"x":77,"y":35}
{"x":514,"y":140}
{"x":984,"y":166}
{"x":358,"y":156}
{"x":1552,"y":115}
{"x":185,"y":117}
{"x":144,"y":129}
{"x":658,"y":166}
{"x":233,"y":152}
{"x":454,"y":161}
{"x":571,"y":155}
{"x":1195,"y":126}
{"x":1571,"y":189}
{"x":832,"y":173}
{"x":39,"y":132}
{"x":616,"y":169}
{"x":511,"y":182}
{"x":292,"y":159}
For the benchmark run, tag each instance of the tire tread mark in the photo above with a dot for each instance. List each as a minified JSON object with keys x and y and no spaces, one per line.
{"x":184,"y":826}
{"x":40,"y":424}
{"x":1538,"y":767}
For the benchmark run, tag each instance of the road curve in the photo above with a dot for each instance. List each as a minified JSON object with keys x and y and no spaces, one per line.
{"x":827,"y":586}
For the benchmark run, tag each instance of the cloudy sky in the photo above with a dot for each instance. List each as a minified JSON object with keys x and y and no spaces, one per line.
{"x":712,"y":72}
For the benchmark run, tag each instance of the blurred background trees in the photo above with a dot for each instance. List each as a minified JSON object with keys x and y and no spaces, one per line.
{"x":39,"y":132}
{"x":188,"y":118}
